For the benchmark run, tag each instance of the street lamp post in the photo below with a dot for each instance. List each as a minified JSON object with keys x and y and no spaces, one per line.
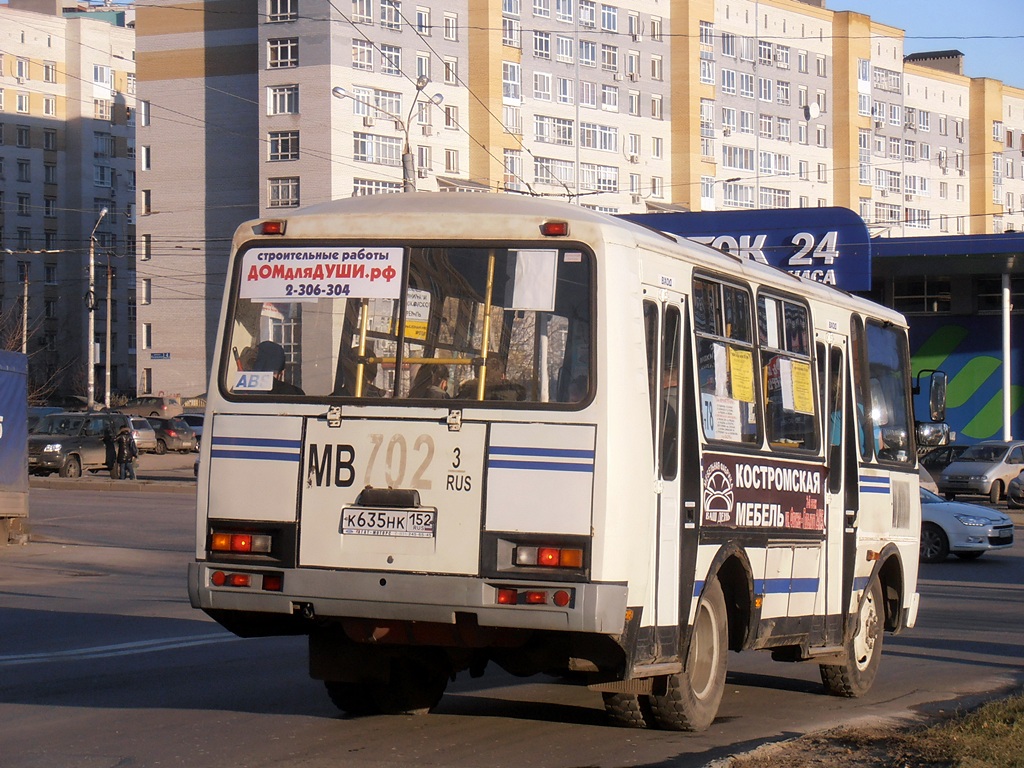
{"x":408,"y":160}
{"x":107,"y":350}
{"x":90,"y":305}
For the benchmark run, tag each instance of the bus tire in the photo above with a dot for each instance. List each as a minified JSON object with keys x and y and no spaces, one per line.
{"x":416,"y":686}
{"x":350,"y":698}
{"x":629,"y":710}
{"x":854,"y":677}
{"x":692,"y":697}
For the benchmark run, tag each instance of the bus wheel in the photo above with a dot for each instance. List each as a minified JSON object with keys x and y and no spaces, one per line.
{"x":629,"y":710}
{"x":854,"y":677}
{"x":691,"y":699}
{"x":416,"y":686}
{"x":351,"y":698}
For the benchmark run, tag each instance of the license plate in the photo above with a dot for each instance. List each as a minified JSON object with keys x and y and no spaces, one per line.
{"x":1006,"y":533}
{"x":410,"y":523}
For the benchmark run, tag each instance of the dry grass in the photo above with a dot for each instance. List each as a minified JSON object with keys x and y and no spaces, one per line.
{"x":989,"y":737}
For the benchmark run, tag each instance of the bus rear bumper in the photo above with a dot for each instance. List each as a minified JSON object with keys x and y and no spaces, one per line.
{"x":597,"y":608}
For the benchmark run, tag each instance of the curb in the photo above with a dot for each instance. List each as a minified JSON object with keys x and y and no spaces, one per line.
{"x":165,"y":485}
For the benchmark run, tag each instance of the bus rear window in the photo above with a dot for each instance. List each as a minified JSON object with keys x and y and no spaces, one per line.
{"x":417,"y":324}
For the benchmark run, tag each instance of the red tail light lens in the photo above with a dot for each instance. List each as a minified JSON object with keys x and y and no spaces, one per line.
{"x":240,"y":542}
{"x":550,"y":557}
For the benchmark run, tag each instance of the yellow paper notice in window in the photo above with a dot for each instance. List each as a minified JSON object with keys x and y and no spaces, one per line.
{"x":741,"y":374}
{"x":803,"y":397}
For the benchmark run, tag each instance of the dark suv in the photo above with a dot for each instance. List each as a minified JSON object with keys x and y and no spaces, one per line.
{"x":73,"y":443}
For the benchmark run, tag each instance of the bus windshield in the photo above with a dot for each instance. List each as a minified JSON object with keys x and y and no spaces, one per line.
{"x":422,"y":323}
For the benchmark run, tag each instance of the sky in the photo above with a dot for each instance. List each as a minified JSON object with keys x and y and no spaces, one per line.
{"x":989,"y":32}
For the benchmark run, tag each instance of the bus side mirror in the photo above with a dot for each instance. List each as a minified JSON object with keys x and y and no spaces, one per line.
{"x":937,"y":396}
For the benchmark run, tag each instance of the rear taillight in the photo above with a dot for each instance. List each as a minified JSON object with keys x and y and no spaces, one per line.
{"x":242,"y":543}
{"x":268,"y":582}
{"x":550,"y":557}
{"x":533,"y":596}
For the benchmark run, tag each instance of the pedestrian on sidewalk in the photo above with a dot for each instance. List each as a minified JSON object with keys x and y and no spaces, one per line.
{"x":127,"y":450}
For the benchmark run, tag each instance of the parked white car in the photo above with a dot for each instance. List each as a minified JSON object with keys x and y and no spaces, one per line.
{"x":965,"y":530}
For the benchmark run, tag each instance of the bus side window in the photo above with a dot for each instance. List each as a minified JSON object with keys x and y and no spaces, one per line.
{"x":651,"y":336}
{"x":670,"y":363}
{"x":791,"y":418}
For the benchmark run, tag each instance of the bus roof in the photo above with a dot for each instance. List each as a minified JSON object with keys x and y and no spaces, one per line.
{"x":433,"y":215}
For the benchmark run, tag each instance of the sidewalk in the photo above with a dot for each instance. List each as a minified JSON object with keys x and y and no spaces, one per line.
{"x":170,"y":473}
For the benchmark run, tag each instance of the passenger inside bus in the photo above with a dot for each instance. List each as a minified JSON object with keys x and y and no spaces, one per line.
{"x":431,"y":382}
{"x":270,"y":357}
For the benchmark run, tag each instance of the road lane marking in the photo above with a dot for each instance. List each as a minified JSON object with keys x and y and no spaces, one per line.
{"x":120,"y":649}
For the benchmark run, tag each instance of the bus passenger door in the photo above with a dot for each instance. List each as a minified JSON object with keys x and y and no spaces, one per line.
{"x":840,"y":461}
{"x":669,"y":371}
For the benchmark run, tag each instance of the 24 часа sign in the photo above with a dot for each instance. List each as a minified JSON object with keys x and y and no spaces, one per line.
{"x":827,"y":245}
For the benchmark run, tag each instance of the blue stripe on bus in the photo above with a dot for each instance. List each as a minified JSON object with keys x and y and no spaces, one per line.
{"x":860,"y":583}
{"x":253,"y":455}
{"x":780,"y":586}
{"x":554,"y":453}
{"x":870,"y":484}
{"x":549,"y":466}
{"x":258,"y":442}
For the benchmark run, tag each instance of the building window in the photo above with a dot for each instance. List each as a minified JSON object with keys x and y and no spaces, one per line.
{"x":362,"y":12}
{"x":147,"y":201}
{"x":49,"y":72}
{"x":374,"y":187}
{"x":451,"y":26}
{"x":283,"y":192}
{"x":390,"y":14}
{"x":146,"y":290}
{"x":283,"y":10}
{"x":49,"y":106}
{"x":451,"y":71}
{"x":383,"y":150}
{"x":451,"y":161}
{"x":390,"y":60}
{"x":147,"y":335}
{"x":511,"y":82}
{"x":511,"y":32}
{"x":102,"y":109}
{"x":284,"y":145}
{"x":49,"y":139}
{"x":362,"y":55}
{"x":283,"y":53}
{"x":283,"y":99}
{"x":923,"y":294}
{"x":451,"y":117}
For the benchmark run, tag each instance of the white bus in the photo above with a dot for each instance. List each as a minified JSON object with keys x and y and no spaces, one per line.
{"x":449,"y":429}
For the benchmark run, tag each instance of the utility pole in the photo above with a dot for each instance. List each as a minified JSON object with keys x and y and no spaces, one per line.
{"x":90,"y":306}
{"x":24,"y":313}
{"x":106,"y":352}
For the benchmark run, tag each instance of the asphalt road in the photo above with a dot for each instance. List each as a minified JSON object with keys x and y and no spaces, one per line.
{"x":103,"y":663}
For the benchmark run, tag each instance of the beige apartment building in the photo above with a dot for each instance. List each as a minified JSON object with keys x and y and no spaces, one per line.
{"x":67,"y":106}
{"x":257,"y":108}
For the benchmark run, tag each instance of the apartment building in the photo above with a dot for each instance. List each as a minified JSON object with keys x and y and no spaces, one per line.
{"x":67,"y":174}
{"x":255,"y":108}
